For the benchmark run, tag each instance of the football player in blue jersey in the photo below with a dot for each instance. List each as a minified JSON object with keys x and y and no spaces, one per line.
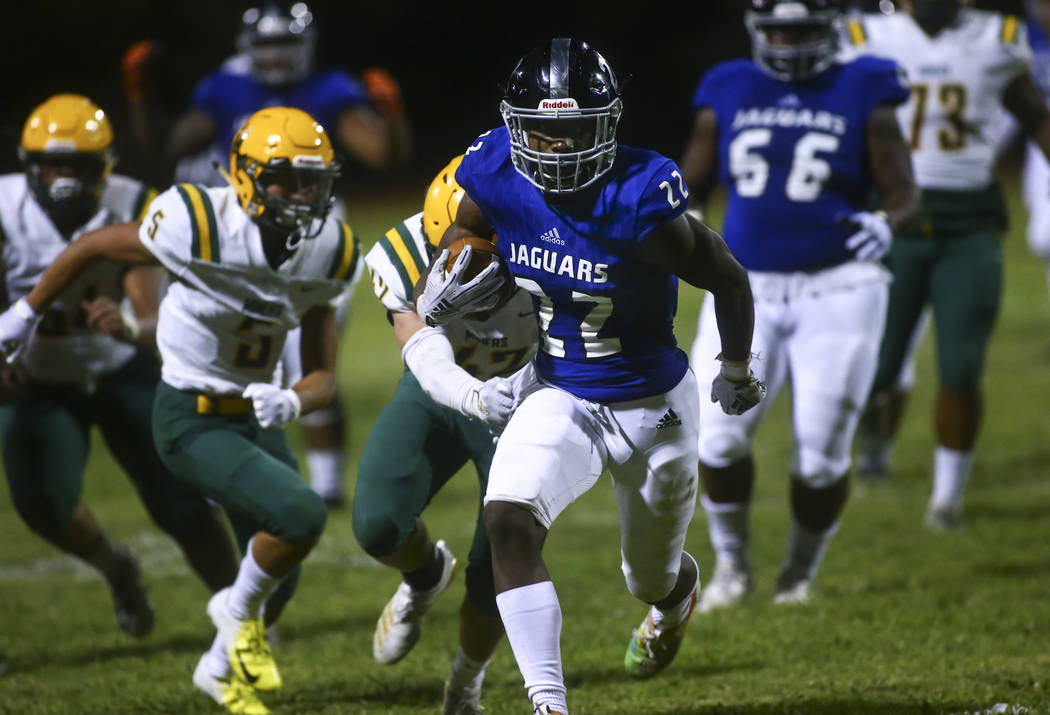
{"x":800,"y":140}
{"x":275,"y":65}
{"x":597,"y":233}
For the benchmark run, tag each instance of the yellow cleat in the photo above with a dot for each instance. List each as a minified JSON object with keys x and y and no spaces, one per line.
{"x":232,"y":694}
{"x":247,"y":649}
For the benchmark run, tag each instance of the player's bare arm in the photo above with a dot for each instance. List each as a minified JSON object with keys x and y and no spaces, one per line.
{"x":700,"y":160}
{"x":699,"y":256}
{"x":470,"y":221}
{"x":118,"y":243}
{"x":376,"y":141}
{"x":405,"y":326}
{"x":193,"y":132}
{"x":318,"y":349}
{"x":1026,"y":103}
{"x":142,"y":286}
{"x":891,"y":168}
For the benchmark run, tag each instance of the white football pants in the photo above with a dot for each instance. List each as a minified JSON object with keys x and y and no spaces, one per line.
{"x":819,"y":330}
{"x":556,"y":446}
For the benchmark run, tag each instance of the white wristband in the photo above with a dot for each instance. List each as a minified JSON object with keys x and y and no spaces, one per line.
{"x":24,"y":311}
{"x":735,"y":370}
{"x":132,"y":329}
{"x":297,"y":404}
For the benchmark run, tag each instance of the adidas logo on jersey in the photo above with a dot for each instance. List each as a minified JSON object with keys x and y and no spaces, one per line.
{"x":670,"y":419}
{"x":552,"y":236}
{"x":790,"y":100}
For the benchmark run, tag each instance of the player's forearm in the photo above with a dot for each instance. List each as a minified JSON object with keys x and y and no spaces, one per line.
{"x":118,"y":243}
{"x":902,"y":205}
{"x":316,"y":390}
{"x":735,"y":315}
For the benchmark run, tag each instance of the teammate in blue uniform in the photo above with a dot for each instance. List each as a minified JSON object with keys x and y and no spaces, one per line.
{"x":800,"y":140}
{"x":274,"y":66}
{"x":597,"y":233}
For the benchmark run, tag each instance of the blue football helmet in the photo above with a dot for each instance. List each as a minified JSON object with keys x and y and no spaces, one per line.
{"x":794,"y":40}
{"x":561,"y":106}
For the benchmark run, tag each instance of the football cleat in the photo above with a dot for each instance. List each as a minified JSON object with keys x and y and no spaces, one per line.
{"x":399,"y":626}
{"x":246,"y":646}
{"x":729,"y":585}
{"x":463,"y":701}
{"x":943,"y":517}
{"x":792,"y":590}
{"x":652,"y":648}
{"x":133,"y":609}
{"x":232,"y":694}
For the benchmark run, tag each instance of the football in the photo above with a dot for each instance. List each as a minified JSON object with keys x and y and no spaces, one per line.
{"x":484,"y":252}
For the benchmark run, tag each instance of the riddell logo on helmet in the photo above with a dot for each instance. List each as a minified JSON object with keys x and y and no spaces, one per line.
{"x":568,"y":103}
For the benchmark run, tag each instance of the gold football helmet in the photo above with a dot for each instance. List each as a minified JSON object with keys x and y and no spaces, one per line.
{"x":442,"y":202}
{"x":67,"y":151}
{"x":282,"y":166}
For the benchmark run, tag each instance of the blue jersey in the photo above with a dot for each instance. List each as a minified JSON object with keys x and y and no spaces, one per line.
{"x":606,"y":319}
{"x":794,"y":157}
{"x":229,"y":97}
{"x":1041,"y":59}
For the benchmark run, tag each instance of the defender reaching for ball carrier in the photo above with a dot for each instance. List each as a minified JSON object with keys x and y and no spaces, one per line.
{"x":250,"y":262}
{"x":447,"y":401}
{"x":596,"y":233}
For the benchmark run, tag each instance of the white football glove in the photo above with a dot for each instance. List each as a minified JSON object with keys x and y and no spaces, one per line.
{"x":445,"y":298}
{"x":736,"y":388}
{"x":17,"y":324}
{"x":273,"y":406}
{"x":492,"y":402}
{"x":873,"y":237}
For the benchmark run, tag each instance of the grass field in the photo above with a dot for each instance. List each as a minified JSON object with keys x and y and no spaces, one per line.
{"x":906,"y":621}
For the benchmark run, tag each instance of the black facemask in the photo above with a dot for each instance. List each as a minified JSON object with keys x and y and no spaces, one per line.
{"x":935,"y":15}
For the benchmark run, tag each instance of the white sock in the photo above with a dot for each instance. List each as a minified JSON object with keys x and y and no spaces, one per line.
{"x":215,"y":660}
{"x":951,"y":471}
{"x":807,"y":549}
{"x":326,"y":471}
{"x":250,"y":590}
{"x":727,"y":525}
{"x":532,"y":619}
{"x":107,"y":558}
{"x":466,"y":671}
{"x":680,"y":612}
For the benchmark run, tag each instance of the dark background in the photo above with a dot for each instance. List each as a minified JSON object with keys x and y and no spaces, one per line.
{"x":449,"y":58}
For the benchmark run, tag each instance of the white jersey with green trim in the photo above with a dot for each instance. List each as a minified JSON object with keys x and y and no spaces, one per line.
{"x":497,"y":345}
{"x":957,"y":79}
{"x":64,"y":349}
{"x":227,"y":313}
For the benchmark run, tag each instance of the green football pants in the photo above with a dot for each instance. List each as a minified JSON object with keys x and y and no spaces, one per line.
{"x":46,"y":438}
{"x":413,"y":450}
